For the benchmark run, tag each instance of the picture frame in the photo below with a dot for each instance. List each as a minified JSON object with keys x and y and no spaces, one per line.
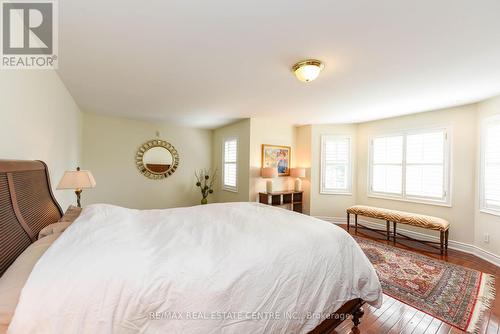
{"x":277,"y":156}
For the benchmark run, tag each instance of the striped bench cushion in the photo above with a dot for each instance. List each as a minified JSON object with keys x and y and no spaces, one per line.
{"x":428,"y":222}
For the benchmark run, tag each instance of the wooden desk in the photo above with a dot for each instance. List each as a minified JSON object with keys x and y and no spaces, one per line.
{"x":291,"y":199}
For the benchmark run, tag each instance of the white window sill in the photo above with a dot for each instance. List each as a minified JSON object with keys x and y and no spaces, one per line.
{"x":232,"y":190}
{"x":325,"y":192}
{"x":411,"y":200}
{"x":490,"y":211}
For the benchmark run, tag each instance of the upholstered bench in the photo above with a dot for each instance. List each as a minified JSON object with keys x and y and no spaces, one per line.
{"x":401,"y":217}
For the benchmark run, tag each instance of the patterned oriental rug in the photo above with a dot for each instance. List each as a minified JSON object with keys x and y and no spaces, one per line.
{"x":454,"y":294}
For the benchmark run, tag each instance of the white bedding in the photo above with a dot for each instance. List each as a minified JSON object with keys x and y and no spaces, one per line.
{"x":219,"y":268}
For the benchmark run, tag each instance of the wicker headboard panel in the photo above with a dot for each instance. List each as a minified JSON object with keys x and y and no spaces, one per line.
{"x":27,"y":205}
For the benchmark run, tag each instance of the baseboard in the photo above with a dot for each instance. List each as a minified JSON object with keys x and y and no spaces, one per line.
{"x":456,"y":245}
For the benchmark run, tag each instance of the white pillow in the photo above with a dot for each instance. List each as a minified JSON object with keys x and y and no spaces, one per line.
{"x":13,"y":280}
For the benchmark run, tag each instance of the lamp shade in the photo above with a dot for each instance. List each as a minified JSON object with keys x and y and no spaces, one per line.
{"x":79,"y":179}
{"x":269,"y":172}
{"x":297,"y":172}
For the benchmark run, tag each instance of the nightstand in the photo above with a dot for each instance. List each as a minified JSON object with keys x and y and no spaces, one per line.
{"x":289,"y":199}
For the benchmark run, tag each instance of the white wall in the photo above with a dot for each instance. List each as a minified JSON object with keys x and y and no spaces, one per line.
{"x":484,"y":222}
{"x":241,"y":131}
{"x":39,"y":120}
{"x":463,"y":125}
{"x":274,"y":132}
{"x":109,"y":148}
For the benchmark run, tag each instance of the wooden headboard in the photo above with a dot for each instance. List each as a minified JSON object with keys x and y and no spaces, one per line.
{"x":27,"y":205}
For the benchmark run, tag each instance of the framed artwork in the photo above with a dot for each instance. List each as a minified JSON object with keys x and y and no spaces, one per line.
{"x":278,"y":157}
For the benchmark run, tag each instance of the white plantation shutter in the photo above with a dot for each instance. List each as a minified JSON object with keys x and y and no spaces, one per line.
{"x":425,"y":164}
{"x":335,"y":164}
{"x":491,"y":166}
{"x":387,"y":165}
{"x":411,"y":166}
{"x":230,"y":164}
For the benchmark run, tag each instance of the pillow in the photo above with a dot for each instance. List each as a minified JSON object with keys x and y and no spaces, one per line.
{"x":53,"y":228}
{"x":72,"y":212}
{"x":69,"y":217}
{"x":13,"y":280}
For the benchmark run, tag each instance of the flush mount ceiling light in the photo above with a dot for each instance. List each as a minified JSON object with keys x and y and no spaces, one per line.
{"x":307,"y":70}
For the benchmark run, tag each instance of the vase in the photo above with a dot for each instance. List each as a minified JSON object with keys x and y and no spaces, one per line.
{"x":204,"y":200}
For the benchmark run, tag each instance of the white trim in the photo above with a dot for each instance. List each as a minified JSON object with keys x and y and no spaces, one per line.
{"x":490,"y":212}
{"x":350,"y":174}
{"x":482,"y":202}
{"x":226,"y":187}
{"x":409,"y":199}
{"x":447,"y":170}
{"x":456,"y":245}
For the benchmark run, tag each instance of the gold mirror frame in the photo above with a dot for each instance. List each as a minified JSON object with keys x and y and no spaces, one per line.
{"x":149,"y":145}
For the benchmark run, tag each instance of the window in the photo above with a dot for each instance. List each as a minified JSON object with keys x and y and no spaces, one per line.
{"x":387,"y":165}
{"x":230,"y":163}
{"x":490,"y":166}
{"x":335,"y":164}
{"x":411,"y":166}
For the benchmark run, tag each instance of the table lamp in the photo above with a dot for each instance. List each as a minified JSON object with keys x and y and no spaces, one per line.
{"x":298,"y":173}
{"x":77,"y":180}
{"x":269,"y":173}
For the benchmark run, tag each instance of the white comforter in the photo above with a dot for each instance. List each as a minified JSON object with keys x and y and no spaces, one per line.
{"x":220,"y":268}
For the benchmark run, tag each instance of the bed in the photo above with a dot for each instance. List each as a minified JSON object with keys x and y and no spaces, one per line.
{"x":221,"y":268}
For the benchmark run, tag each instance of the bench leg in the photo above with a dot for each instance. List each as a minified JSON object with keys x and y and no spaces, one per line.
{"x":388,"y":228}
{"x":441,"y":239}
{"x":446,"y":240}
{"x":348,"y":221}
{"x":394,"y":231}
{"x":356,"y":223}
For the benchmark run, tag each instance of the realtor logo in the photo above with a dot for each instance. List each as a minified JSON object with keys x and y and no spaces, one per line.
{"x":29,"y":34}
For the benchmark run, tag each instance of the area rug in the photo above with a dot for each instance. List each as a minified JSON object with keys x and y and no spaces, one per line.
{"x":454,"y":294}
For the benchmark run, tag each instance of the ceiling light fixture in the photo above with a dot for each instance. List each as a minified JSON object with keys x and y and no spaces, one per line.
{"x":307,"y":70}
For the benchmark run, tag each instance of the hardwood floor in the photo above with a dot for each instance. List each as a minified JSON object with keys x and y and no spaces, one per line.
{"x":396,"y":317}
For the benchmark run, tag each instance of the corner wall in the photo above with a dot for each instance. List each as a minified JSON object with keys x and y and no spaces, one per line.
{"x":303,"y":136}
{"x":39,"y":120}
{"x":241,"y":131}
{"x":485,"y":223}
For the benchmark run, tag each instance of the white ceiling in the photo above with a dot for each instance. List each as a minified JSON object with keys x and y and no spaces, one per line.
{"x":205,"y":63}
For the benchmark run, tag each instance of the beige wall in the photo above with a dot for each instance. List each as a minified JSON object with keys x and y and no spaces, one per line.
{"x":109,"y":148}
{"x":40,"y":120}
{"x":303,"y":159}
{"x":274,"y":132}
{"x":463,"y":142}
{"x":241,"y":131}
{"x":251,"y":134}
{"x":486,"y":223}
{"x":330,"y":205}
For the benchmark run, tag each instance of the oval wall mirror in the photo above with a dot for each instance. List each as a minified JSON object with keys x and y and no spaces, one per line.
{"x":157,"y":159}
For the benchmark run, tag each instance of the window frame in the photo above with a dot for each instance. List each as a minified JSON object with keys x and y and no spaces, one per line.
{"x":323,"y":189}
{"x":223,"y":150}
{"x":447,"y":168}
{"x":482,"y":200}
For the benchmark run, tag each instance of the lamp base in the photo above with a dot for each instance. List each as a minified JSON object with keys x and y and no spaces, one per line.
{"x":298,"y":184}
{"x":78,"y":193}
{"x":269,"y":186}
